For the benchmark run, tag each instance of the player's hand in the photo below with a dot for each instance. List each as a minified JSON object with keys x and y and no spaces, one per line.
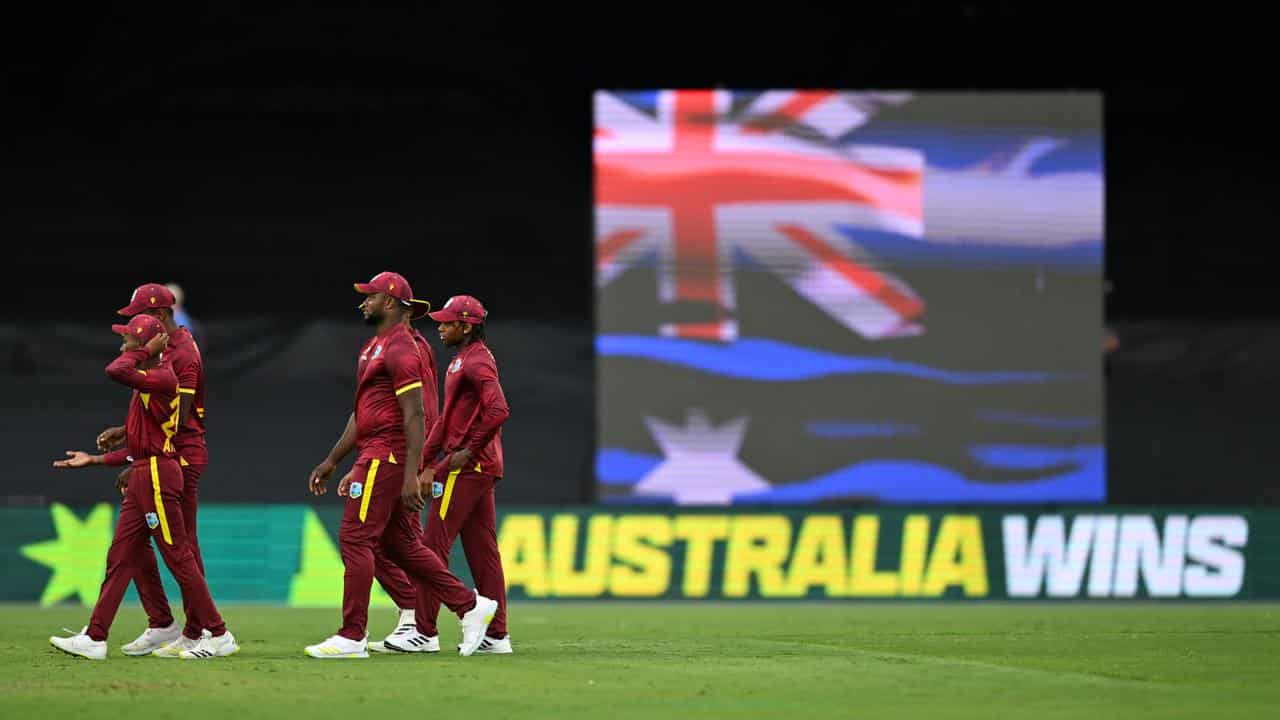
{"x":157,"y":343}
{"x":459,"y":459}
{"x":111,"y":438}
{"x":411,"y":493}
{"x":344,"y":485}
{"x":122,"y":480}
{"x":319,"y":478}
{"x":75,"y":459}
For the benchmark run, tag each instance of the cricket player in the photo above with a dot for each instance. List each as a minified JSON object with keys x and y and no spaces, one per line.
{"x":388,"y":428}
{"x":163,"y":636}
{"x":152,"y":504}
{"x":469,"y":431}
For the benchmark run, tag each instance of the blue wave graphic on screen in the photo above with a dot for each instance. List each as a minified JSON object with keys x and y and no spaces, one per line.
{"x":771,"y":361}
{"x":826,"y":429}
{"x":623,"y":467}
{"x":1036,"y":421}
{"x":907,"y":481}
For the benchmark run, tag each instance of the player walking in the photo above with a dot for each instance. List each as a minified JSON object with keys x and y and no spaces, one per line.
{"x":163,"y":637}
{"x":388,"y":428}
{"x":152,"y":502}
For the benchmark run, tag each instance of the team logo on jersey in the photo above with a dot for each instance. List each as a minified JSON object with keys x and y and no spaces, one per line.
{"x":437,"y":489}
{"x":356,"y":489}
{"x":456,"y":365}
{"x":153,"y":521}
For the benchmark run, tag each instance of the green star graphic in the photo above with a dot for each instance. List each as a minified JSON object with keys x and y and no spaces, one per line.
{"x":78,"y":556}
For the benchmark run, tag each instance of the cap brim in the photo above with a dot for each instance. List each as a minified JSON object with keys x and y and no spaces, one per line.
{"x":419,"y":308}
{"x":366,"y":289}
{"x":130,"y":310}
{"x":445,"y":315}
{"x":120,"y":329}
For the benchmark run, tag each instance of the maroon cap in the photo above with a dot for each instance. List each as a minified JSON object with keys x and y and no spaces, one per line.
{"x":461,"y":307}
{"x":396,"y":286}
{"x":147,"y":297}
{"x":142,"y":327}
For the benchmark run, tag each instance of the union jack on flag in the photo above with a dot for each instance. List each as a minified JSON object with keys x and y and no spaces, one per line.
{"x":697,"y":177}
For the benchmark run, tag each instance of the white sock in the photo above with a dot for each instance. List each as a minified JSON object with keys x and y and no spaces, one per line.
{"x":407,"y":617}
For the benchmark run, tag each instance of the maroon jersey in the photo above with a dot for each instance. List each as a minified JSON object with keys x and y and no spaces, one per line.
{"x":153,"y":409}
{"x":390,"y":365}
{"x":430,"y":387}
{"x":474,"y":410}
{"x":184,"y":355}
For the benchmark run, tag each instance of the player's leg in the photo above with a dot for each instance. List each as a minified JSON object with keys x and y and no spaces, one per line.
{"x":164,"y":517}
{"x":402,"y":593}
{"x":449,"y":506}
{"x":480,"y":543}
{"x":431,"y":575}
{"x":162,"y":629}
{"x":129,"y":539}
{"x":191,"y":475}
{"x":368,"y":506}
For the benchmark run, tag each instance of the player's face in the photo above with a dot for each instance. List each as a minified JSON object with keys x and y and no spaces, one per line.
{"x":452,"y":333}
{"x":374,"y":308}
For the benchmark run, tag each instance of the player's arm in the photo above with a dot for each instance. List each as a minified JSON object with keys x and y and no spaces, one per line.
{"x":78,"y":459}
{"x":125,"y":370}
{"x":411,"y":408}
{"x":341,"y":449}
{"x":188,"y":379}
{"x":111,"y":439}
{"x":491,"y":413}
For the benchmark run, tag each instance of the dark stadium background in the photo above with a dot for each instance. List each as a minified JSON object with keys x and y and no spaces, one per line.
{"x":265,"y":160}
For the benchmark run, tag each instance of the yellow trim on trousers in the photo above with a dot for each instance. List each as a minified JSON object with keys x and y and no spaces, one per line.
{"x":155,"y":486}
{"x":367,"y":492}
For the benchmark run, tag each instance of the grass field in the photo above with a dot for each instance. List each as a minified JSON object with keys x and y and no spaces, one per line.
{"x":685,"y":660}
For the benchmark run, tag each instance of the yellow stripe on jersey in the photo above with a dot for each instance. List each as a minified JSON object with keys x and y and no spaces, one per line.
{"x":155,"y":487}
{"x":368,"y":488}
{"x":409,"y":387}
{"x":391,"y":458}
{"x":189,"y":391}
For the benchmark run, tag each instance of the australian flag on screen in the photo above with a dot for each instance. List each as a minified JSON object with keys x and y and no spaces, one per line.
{"x":821,"y":296}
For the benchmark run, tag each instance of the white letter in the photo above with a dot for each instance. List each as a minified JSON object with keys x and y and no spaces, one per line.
{"x":1063,"y":560}
{"x":1221,"y":569}
{"x":1161,"y":562}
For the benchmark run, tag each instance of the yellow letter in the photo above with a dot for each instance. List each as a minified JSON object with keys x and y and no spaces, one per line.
{"x":864,"y":579}
{"x":523,"y":546}
{"x":915,"y":549}
{"x":700,"y":533}
{"x":641,"y":569}
{"x":957,"y":557}
{"x":590,"y":582}
{"x":818,"y":558}
{"x":758,"y":545}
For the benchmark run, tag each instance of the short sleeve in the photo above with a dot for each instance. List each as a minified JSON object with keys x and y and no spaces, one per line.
{"x":403,"y":365}
{"x":188,"y":376}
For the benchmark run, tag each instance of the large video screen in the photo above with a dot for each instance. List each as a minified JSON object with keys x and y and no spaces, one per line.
{"x":848,"y":297}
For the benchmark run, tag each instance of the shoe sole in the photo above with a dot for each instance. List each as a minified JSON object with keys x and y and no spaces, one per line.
{"x":215,"y":657}
{"x":73,"y":654}
{"x":397,"y":650}
{"x":349,"y":656}
{"x":135,"y":653}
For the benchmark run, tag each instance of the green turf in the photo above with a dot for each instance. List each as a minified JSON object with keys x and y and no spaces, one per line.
{"x":685,"y":660}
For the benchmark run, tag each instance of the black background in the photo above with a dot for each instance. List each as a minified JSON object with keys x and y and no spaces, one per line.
{"x":266,"y":159}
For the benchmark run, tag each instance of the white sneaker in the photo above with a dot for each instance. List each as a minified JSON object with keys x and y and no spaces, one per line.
{"x":151,"y":639}
{"x":493,"y":646}
{"x":474,"y":622}
{"x":80,"y":644}
{"x":413,"y":642}
{"x":337,"y":648}
{"x":212,"y":647}
{"x":407,"y":626}
{"x":175,"y":648}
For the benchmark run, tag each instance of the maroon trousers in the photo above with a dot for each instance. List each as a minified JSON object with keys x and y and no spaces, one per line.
{"x":461,"y":504}
{"x":152,"y":506}
{"x":147,"y":579}
{"x":375,"y":518}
